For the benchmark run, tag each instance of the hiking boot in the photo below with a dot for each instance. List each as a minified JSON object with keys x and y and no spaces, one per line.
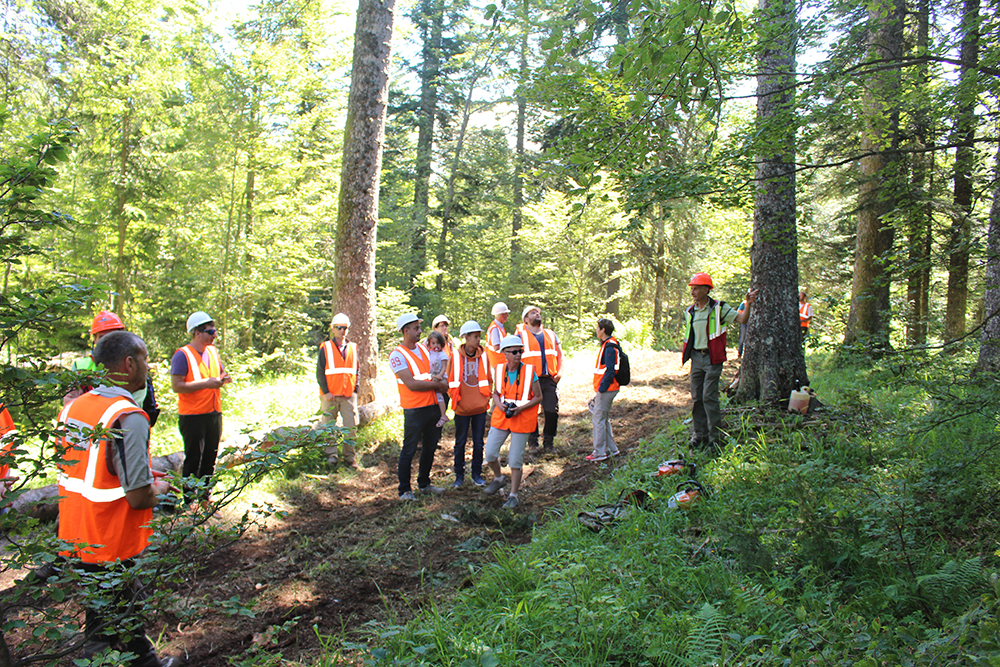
{"x":549,"y":450}
{"x":511,"y":503}
{"x":495,"y":485}
{"x":430,"y":488}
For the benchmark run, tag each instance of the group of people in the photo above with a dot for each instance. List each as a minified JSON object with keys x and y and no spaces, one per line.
{"x":503,"y":378}
{"x":107,"y":486}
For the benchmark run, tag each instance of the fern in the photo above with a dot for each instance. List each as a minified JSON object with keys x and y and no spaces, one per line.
{"x":705,"y":638}
{"x":954,"y":585}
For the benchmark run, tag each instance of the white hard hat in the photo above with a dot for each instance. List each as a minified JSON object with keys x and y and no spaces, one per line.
{"x":403,"y":320}
{"x":511,"y":341}
{"x":340,"y":318}
{"x":470,"y":327}
{"x":528,"y":309}
{"x":499,"y":308}
{"x":439,"y":319}
{"x":196,"y":319}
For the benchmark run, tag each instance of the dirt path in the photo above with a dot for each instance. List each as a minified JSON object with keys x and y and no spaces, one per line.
{"x":348,"y":551}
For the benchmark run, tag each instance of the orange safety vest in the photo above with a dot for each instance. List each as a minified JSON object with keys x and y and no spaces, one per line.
{"x":533,"y":353}
{"x":93,"y":509}
{"x":715,"y":328}
{"x":455,"y":375}
{"x":203,"y":401}
{"x":519,"y":394}
{"x":601,"y":367}
{"x":7,"y":427}
{"x":341,"y":371}
{"x":421,"y":369}
{"x":804,"y":315}
{"x":493,"y":351}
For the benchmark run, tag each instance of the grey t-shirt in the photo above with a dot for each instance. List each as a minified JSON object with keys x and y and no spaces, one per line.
{"x":128,"y":454}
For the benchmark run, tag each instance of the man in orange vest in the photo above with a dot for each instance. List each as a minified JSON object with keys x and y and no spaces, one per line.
{"x":543,"y":351}
{"x":410,"y":362}
{"x":7,"y":432}
{"x":337,"y":375}
{"x":495,"y":333}
{"x":605,"y":390}
{"x":470,"y":386}
{"x":707,"y":320}
{"x":805,"y":315}
{"x":516,"y":395}
{"x":107,"y":491}
{"x":197,"y":377}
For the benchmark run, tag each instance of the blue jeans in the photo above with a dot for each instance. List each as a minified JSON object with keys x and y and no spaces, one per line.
{"x":462,"y":424}
{"x":418,"y":429}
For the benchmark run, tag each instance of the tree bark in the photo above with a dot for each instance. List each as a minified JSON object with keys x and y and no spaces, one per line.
{"x":920,"y":211}
{"x":773,"y":362}
{"x":869,"y":318}
{"x":522,"y":106}
{"x":965,"y":162}
{"x":357,"y":215}
{"x":989,"y":348}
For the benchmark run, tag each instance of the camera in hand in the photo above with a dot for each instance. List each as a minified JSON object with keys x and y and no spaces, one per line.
{"x":508,"y":408}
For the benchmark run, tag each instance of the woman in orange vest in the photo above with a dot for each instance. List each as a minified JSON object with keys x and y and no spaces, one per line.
{"x":197,"y":376}
{"x":7,"y":429}
{"x":470,"y":386}
{"x":516,"y":396}
{"x":337,"y":375}
{"x":605,"y":390}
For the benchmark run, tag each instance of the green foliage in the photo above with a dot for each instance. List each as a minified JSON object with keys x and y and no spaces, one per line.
{"x":845,"y":538}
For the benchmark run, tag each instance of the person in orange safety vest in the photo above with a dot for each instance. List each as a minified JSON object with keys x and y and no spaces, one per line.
{"x":805,"y":315}
{"x":337,"y":375}
{"x":107,"y":491}
{"x":470,"y":385}
{"x":516,"y":396}
{"x":410,"y":362}
{"x":197,"y":377}
{"x":543,"y":351}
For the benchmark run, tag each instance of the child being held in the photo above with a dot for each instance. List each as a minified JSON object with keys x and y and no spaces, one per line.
{"x":439,"y":369}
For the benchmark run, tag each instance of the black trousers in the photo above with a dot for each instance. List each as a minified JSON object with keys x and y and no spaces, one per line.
{"x":117,"y":625}
{"x":419,"y":428}
{"x":201,"y":435}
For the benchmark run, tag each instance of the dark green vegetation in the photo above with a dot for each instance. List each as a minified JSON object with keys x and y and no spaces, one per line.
{"x":862,"y":535}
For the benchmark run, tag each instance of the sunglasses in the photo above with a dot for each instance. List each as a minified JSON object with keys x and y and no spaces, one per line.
{"x":340,"y":328}
{"x":210,"y":332}
{"x":514,"y":351}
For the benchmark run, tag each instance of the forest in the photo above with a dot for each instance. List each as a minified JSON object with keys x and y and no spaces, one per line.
{"x":279,"y":162}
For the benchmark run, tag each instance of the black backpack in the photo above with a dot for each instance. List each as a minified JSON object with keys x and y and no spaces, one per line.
{"x":624,"y":373}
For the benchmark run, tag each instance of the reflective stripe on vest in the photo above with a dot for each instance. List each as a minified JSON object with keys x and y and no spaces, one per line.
{"x":93,"y":508}
{"x":601,"y":367}
{"x":533,"y":353}
{"x":527,"y":420}
{"x":206,"y":400}
{"x":341,"y":379}
{"x":421,"y":370}
{"x":455,"y":375}
{"x":804,"y":314}
{"x":500,"y":380}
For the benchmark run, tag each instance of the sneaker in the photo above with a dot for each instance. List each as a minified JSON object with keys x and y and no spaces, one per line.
{"x":594,"y":457}
{"x":478,"y":481}
{"x":511,"y":503}
{"x":407,"y":496}
{"x":495,"y":485}
{"x":430,"y":488}
{"x":459,"y":481}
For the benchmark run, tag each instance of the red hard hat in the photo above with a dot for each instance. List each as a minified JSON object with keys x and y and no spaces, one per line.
{"x":106,"y":321}
{"x":701,"y":279}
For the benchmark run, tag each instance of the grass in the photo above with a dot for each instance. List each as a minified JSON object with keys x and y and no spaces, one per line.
{"x":864,"y":537}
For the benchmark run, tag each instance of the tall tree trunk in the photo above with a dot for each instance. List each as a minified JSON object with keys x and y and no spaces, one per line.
{"x":522,"y":106}
{"x":965,"y":162}
{"x":432,"y":27}
{"x":773,"y":362}
{"x":868,"y":321}
{"x":613,"y":286}
{"x":121,"y":218}
{"x":357,"y":214}
{"x":989,"y":348}
{"x":659,"y":268}
{"x":920,"y":211}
